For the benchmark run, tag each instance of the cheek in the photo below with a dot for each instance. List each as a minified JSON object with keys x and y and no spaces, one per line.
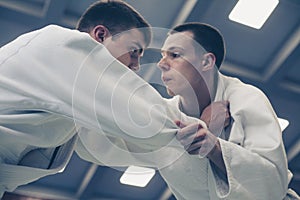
{"x":125,"y":59}
{"x":183,"y":75}
{"x":186,"y":79}
{"x":191,"y":73}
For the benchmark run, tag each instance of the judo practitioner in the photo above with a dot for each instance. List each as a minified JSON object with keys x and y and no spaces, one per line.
{"x":247,"y":159}
{"x":243,"y":161}
{"x":56,"y":82}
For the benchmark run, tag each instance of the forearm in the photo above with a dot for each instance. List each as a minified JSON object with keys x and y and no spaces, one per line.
{"x":216,"y":156}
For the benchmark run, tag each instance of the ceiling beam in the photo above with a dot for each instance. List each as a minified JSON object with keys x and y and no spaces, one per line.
{"x":166,"y":194}
{"x":288,"y":85}
{"x":293,"y":151}
{"x":287,"y":48}
{"x":86,"y":180}
{"x":184,"y":12}
{"x":296,"y":176}
{"x":29,"y":8}
{"x":241,"y":71}
{"x":44,"y":192}
{"x":55,"y":10}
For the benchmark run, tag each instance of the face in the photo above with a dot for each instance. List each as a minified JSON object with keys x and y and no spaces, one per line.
{"x":180,"y":64}
{"x":127,"y":47}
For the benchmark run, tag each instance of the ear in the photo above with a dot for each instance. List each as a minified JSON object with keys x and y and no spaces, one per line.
{"x":100,"y":33}
{"x":208,"y":61}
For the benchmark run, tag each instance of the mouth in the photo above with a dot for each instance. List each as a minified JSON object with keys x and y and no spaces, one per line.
{"x":165,"y":79}
{"x":134,"y":68}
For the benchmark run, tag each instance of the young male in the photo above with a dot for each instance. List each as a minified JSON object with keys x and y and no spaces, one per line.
{"x":56,"y":82}
{"x":246,"y":160}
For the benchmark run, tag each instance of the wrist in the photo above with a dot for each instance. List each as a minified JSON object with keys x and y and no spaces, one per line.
{"x":215,"y":151}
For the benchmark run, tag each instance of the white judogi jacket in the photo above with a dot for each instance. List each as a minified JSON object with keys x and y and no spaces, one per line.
{"x":56,"y":82}
{"x":252,"y":151}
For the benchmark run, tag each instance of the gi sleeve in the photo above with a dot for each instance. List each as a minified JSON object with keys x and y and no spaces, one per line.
{"x":254,"y":156}
{"x":68,"y":73}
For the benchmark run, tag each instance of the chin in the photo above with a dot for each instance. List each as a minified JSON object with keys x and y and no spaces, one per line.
{"x":170,"y":92}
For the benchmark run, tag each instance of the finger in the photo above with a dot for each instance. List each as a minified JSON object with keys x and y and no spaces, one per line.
{"x":225,"y":103}
{"x":197,"y":137}
{"x":190,"y":140}
{"x":194,"y":152}
{"x":194,"y":146}
{"x":227,"y":119}
{"x":188,"y":131}
{"x":180,"y":124}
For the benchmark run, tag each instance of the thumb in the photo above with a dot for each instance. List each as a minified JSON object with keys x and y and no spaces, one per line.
{"x":180,"y":124}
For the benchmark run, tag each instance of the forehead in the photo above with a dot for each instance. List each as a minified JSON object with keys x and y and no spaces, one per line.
{"x":182,"y":40}
{"x":134,"y":36}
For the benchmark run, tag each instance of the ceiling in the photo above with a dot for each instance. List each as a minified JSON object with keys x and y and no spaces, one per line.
{"x":268,"y":58}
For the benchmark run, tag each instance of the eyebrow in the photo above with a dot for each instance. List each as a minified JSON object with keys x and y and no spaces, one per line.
{"x":138,"y":44}
{"x":172,"y":48}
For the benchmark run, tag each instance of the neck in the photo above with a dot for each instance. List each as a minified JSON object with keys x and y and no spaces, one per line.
{"x":193,"y":105}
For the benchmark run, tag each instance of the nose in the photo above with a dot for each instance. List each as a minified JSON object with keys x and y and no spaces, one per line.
{"x":163,"y":65}
{"x":135,"y":64}
{"x":135,"y":68}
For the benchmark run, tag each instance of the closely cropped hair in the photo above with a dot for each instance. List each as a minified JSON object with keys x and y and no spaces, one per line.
{"x":117,"y":16}
{"x":207,"y":36}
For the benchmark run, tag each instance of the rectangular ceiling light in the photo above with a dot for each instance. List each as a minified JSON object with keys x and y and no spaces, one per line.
{"x":137,"y":176}
{"x":283,"y":123}
{"x":253,"y":13}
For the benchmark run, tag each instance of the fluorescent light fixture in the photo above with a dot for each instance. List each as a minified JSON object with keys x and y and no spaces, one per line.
{"x":62,"y":170}
{"x":253,"y":13}
{"x":137,"y":176}
{"x":283,"y":123}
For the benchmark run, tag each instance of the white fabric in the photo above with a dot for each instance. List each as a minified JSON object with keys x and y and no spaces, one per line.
{"x":55,"y":78}
{"x":253,"y":153}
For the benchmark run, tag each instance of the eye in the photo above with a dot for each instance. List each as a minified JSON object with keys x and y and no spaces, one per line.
{"x":135,"y":51}
{"x":174,"y":54}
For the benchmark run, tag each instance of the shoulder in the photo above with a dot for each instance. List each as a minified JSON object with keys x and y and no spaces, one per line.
{"x":235,"y":88}
{"x":173,"y":101}
{"x":61,"y":33}
{"x":49,"y":29}
{"x":57,"y":37}
{"x":244,"y":97}
{"x":55,"y":28}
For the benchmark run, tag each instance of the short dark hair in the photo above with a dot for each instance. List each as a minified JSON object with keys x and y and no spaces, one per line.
{"x":207,"y":36}
{"x":117,"y":16}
